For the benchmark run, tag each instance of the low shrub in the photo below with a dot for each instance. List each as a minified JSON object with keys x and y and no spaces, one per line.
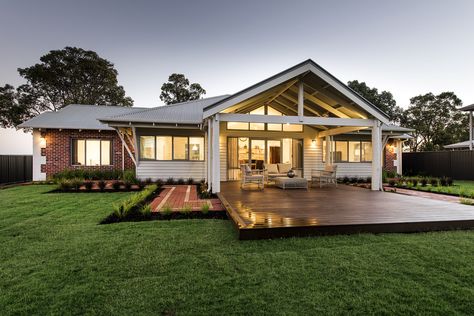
{"x":129,"y":176}
{"x":345,"y":180}
{"x":159,"y":183}
{"x":116,"y":185}
{"x":443,"y":182}
{"x":64,"y":185}
{"x":361,"y":180}
{"x":170,"y":180}
{"x":101,"y":184}
{"x":88,"y":185}
{"x":131,"y":208}
{"x":180,"y":181}
{"x":205,"y":208}
{"x":424,"y":182}
{"x":368,"y":179}
{"x":127,"y":184}
{"x":190,"y":181}
{"x":148,"y":181}
{"x":449,"y":181}
{"x":85,"y":174}
{"x":76,"y":183}
{"x":392,"y":182}
{"x":466,"y":201}
{"x":354,"y":179}
{"x":203,"y":191}
{"x":146,"y":211}
{"x":166,"y":210}
{"x":141,"y":185}
{"x":434,"y":182}
{"x":186,"y":209}
{"x":414,"y":181}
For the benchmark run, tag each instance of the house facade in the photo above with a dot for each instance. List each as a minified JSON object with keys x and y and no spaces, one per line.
{"x":302,"y":116}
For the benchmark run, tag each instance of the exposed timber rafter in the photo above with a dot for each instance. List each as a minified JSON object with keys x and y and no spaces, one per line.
{"x":322,"y":104}
{"x":120,"y":134}
{"x":340,"y":130}
{"x":285,"y":87}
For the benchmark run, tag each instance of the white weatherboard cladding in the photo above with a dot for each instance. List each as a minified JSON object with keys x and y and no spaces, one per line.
{"x":171,"y":169}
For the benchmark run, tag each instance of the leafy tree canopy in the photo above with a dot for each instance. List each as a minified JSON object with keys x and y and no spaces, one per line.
{"x":68,"y":76}
{"x":383,"y":100}
{"x":178,"y":89}
{"x":436,"y":121}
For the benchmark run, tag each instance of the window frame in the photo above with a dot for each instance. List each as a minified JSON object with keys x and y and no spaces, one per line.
{"x":172,"y":148}
{"x":333,"y":145}
{"x":74,"y":140}
{"x":265,"y":125}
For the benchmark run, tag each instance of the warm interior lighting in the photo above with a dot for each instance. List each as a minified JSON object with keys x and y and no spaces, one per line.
{"x":195,"y":147}
{"x":313,"y":143}
{"x":42,"y":142}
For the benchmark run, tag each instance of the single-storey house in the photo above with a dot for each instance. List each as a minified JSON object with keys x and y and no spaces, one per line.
{"x":468,"y":144}
{"x":302,"y":116}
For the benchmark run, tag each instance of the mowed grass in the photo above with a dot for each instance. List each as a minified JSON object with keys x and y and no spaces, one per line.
{"x":56,"y":259}
{"x":463,"y":188}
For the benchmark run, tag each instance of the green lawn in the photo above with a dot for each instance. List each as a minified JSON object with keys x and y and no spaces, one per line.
{"x":55,"y":259}
{"x":460,"y":187}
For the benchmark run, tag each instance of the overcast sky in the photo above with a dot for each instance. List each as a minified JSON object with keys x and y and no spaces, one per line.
{"x":405,"y":47}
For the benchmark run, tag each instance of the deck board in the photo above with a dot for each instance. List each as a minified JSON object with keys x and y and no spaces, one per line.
{"x":337,"y":210}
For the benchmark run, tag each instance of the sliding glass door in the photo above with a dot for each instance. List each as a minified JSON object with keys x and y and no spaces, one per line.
{"x":257,"y":152}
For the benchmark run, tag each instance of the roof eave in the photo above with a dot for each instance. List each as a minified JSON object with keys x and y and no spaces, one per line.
{"x":308,"y":65}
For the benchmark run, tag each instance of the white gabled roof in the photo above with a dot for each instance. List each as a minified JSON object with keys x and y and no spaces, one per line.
{"x":180,"y":113}
{"x":78,"y":116}
{"x":290,"y":73}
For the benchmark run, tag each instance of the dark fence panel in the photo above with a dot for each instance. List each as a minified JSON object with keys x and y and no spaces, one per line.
{"x":457,"y":164}
{"x":15,"y":168}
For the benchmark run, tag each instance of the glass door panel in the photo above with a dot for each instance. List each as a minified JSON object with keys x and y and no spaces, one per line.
{"x":273,"y":151}
{"x":257,"y":154}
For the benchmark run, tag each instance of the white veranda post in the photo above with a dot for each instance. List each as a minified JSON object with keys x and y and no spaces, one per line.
{"x":216,"y":174}
{"x":377,"y":156}
{"x":209,"y":153}
{"x":328,"y":150}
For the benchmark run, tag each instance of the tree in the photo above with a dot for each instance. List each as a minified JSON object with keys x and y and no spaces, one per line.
{"x":383,"y":100}
{"x":68,"y":76}
{"x":178,"y":89}
{"x":436,"y":121}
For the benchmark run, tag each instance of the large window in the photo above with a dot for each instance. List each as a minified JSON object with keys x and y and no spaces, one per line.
{"x":164,"y":147}
{"x":91,"y":152}
{"x":180,"y":148}
{"x":265,"y":110}
{"x":171,"y":148}
{"x":349,"y":151}
{"x":147,"y":147}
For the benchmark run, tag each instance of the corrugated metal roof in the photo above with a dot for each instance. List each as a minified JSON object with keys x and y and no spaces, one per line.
{"x":395,"y":128}
{"x":301,"y":65}
{"x":180,"y":113}
{"x":78,"y":116}
{"x":464,"y":144}
{"x":467,"y":108}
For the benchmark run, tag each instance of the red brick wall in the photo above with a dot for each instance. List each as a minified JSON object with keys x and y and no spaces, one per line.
{"x":58,"y":150}
{"x":390,"y":154}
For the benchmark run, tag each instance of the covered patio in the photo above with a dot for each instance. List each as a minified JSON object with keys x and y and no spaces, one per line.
{"x":274,"y":213}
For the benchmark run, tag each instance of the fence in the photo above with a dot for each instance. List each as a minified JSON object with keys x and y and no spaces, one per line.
{"x":15,"y":168}
{"x":457,"y":164}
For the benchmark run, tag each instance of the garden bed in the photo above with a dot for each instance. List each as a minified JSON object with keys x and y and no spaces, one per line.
{"x":98,"y":186}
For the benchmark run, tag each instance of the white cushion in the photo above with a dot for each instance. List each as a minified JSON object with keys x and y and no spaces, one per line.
{"x":284,"y":167}
{"x":248,"y":171}
{"x":330,"y":168}
{"x":272,"y":168}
